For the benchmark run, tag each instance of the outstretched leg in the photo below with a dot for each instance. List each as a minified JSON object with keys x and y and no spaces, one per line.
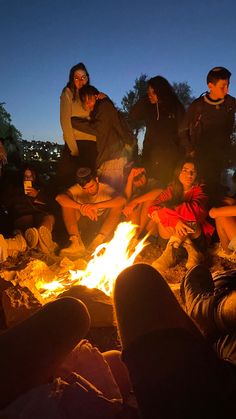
{"x":32,"y":351}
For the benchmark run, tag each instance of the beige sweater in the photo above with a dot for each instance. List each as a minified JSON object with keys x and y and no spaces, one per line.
{"x":69,"y":108}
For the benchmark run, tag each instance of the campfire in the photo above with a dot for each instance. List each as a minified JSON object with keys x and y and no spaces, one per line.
{"x":108,"y":260}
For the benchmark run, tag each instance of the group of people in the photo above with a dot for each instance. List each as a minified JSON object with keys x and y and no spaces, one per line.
{"x":101,"y":179}
{"x":176,"y":363}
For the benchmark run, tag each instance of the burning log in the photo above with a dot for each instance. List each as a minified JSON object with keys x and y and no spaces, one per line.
{"x":91,"y":282}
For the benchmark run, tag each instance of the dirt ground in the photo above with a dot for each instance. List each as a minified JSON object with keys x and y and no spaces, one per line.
{"x":106,"y":338}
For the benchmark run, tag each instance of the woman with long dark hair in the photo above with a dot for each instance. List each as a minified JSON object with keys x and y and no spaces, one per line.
{"x":180,"y":213}
{"x":162,"y":112}
{"x":80,"y":147}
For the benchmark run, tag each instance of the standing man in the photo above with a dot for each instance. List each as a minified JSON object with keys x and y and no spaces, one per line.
{"x":207,"y":128}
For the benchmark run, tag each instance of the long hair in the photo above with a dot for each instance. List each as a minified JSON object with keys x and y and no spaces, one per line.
{"x":71,"y":83}
{"x":178,"y":190}
{"x":165,"y":93}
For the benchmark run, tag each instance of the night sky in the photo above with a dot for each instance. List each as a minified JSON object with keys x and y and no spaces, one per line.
{"x":117,"y":40}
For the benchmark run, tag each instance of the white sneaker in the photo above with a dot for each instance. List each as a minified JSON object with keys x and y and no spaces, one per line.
{"x":228,"y":256}
{"x":46,"y":244}
{"x":32,"y":237}
{"x":75,"y":249}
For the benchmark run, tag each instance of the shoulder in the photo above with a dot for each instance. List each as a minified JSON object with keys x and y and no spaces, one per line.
{"x":230,"y":101}
{"x":105,"y":188}
{"x":75,"y":190}
{"x":66,"y":93}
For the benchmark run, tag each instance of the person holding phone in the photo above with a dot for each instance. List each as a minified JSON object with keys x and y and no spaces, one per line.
{"x":29,"y":208}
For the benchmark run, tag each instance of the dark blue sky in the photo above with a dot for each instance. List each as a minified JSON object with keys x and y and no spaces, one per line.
{"x":117,"y":40}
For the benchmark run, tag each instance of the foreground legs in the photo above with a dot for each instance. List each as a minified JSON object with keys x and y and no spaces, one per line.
{"x":174,"y":372}
{"x":32,"y":351}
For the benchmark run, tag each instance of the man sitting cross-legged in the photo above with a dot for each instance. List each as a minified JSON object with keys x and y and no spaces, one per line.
{"x":91,"y":209}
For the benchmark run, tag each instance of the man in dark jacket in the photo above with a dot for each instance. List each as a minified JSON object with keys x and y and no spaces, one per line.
{"x":207,"y":128}
{"x":114,"y":139}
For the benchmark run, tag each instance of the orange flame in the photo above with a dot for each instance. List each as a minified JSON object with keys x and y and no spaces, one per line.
{"x":108,"y":260}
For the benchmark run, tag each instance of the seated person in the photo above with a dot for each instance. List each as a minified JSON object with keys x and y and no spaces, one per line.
{"x":225,"y":219}
{"x":28,"y":207}
{"x":180,"y":213}
{"x":91,"y":211}
{"x":174,"y":370}
{"x":113,"y":137}
{"x":140,"y":191}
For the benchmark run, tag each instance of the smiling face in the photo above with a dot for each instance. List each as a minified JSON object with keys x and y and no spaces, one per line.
{"x":218,"y":90}
{"x":188,"y":176}
{"x":80,"y":78}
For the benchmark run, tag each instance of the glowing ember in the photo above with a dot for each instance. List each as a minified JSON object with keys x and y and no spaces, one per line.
{"x":108,"y":260}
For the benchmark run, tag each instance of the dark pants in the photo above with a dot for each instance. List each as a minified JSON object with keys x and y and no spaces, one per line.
{"x":204,"y":302}
{"x":68,"y":164}
{"x":174,"y":371}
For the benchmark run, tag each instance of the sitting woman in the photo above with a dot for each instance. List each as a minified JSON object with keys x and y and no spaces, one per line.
{"x":225,"y":219}
{"x":180,"y":213}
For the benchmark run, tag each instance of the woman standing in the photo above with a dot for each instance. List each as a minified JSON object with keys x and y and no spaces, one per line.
{"x":162,"y":113}
{"x":80,"y":147}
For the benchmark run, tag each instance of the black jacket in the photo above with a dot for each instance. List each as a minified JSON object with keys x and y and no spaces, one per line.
{"x":106,"y":123}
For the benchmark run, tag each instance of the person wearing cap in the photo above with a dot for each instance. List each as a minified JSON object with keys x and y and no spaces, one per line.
{"x":90,"y":209}
{"x":207,"y":128}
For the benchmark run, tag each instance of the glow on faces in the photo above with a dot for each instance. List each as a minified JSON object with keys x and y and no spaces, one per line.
{"x":80,"y":78}
{"x":152,"y":96}
{"x":91,"y":188}
{"x":218,"y":90}
{"x":187,"y":176}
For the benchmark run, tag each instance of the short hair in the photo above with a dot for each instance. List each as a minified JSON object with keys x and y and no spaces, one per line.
{"x":87,"y":90}
{"x":218,"y":73}
{"x":84,"y":175}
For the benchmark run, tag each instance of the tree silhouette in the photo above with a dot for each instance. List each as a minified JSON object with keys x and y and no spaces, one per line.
{"x":184,"y":93}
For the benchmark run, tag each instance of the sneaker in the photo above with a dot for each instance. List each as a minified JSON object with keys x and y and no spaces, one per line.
{"x":99,"y":239}
{"x":228,"y":256}
{"x":46,"y":244}
{"x":32,"y":237}
{"x":15,"y":245}
{"x":75,"y":249}
{"x":3,"y":249}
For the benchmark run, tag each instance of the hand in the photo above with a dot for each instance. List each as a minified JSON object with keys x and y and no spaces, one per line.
{"x":228,"y":200}
{"x":155,"y":217}
{"x":32,"y":192}
{"x":90,"y":211}
{"x":101,"y":95}
{"x":135,"y":171}
{"x":128,"y":209}
{"x":183,"y":229}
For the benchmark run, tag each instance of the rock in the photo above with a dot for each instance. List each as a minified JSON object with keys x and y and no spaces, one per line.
{"x":18,"y":304}
{"x":98,"y":304}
